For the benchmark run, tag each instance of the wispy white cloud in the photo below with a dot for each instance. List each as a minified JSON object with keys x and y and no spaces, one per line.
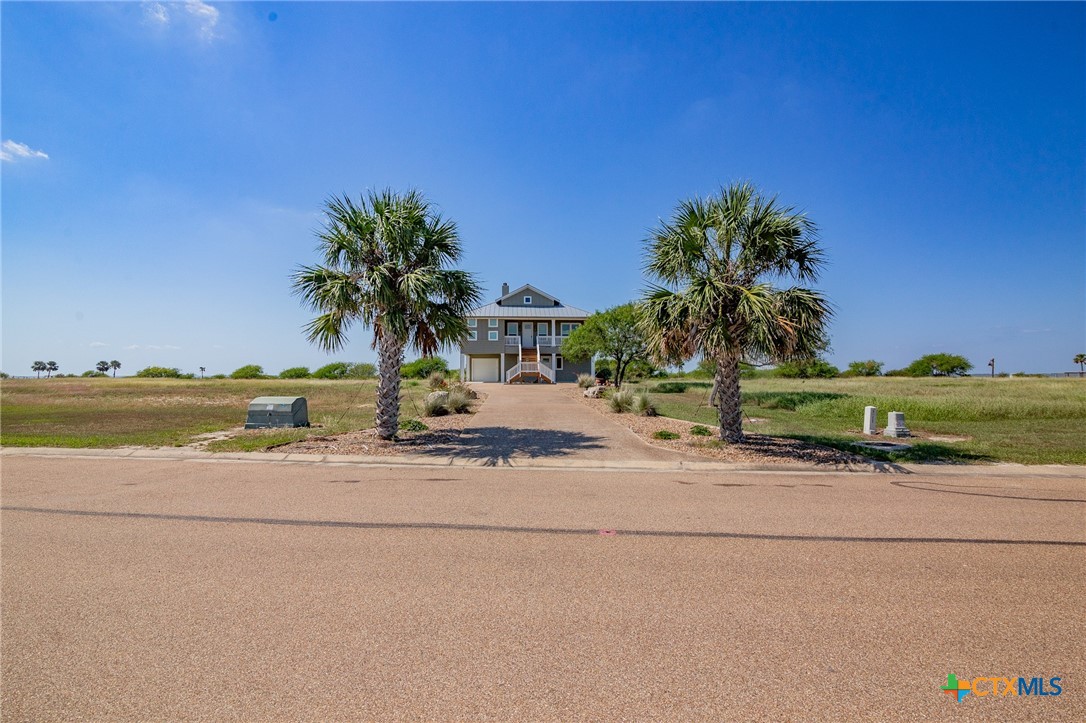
{"x":152,"y":347}
{"x":202,"y":17}
{"x":98,"y":344}
{"x":12,"y":151}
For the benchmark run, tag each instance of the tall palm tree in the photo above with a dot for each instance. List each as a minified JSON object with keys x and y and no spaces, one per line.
{"x":38,"y":367}
{"x":114,"y":365}
{"x":50,"y":367}
{"x":1080,"y":359}
{"x":714,"y":265}
{"x":102,"y":366}
{"x":202,"y":370}
{"x":386,"y":262}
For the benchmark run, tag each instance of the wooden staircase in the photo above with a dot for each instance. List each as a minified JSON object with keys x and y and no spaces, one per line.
{"x":529,"y":361}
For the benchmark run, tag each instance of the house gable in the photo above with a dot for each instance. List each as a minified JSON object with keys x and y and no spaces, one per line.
{"x":528,"y":295}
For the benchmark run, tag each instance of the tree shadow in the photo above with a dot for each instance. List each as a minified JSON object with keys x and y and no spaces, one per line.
{"x":497,"y":445}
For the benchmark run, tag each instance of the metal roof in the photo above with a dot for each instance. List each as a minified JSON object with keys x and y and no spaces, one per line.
{"x":529,"y":312}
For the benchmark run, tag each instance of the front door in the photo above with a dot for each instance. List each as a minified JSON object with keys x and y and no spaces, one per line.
{"x":527,"y":335}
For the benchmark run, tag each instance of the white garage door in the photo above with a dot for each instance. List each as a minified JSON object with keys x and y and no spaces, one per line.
{"x":484,"y":370}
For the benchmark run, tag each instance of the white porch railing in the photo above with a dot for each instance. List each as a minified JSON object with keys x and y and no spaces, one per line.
{"x":511,"y":340}
{"x":546,"y":371}
{"x":512,"y":372}
{"x":549,"y":340}
{"x":530,"y":368}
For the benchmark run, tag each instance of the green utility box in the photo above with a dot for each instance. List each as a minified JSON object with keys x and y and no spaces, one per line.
{"x":277,"y":412}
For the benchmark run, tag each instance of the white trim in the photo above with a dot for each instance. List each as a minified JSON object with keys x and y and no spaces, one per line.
{"x":559,"y":362}
{"x":492,"y":323}
{"x":492,"y":336}
{"x":528,"y":299}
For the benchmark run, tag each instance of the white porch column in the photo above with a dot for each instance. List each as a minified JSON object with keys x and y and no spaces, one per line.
{"x":554,"y":330}
{"x":554,"y":366}
{"x":501,"y":370}
{"x":592,"y":366}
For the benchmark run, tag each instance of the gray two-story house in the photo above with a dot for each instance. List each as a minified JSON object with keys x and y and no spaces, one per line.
{"x":518,"y":338}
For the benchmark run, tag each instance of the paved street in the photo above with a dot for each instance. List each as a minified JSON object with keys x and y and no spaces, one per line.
{"x":156,"y":589}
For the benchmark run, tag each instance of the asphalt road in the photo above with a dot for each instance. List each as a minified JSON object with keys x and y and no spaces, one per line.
{"x":141,"y":589}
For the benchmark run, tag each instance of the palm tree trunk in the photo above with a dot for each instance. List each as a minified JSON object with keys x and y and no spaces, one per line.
{"x":390,"y":358}
{"x":727,"y":398}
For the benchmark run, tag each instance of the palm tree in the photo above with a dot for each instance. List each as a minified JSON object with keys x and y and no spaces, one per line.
{"x":51,"y":367}
{"x":202,"y":370}
{"x":385,"y":266}
{"x":1080,"y":359}
{"x":38,"y":367}
{"x":114,"y":365}
{"x":715,"y":263}
{"x":102,"y":366}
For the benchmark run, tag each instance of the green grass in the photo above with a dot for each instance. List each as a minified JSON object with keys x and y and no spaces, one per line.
{"x":170,"y":412}
{"x":1027,"y":420}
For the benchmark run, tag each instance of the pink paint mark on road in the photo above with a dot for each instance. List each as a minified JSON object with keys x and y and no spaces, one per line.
{"x":608,"y":533}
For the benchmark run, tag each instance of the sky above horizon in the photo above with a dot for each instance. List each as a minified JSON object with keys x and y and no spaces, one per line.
{"x":164,"y":165}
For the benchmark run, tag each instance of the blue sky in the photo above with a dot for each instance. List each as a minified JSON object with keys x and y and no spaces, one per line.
{"x":164,"y":164}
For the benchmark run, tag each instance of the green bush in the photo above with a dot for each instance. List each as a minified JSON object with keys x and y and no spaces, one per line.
{"x":869,"y":368}
{"x":584,"y":381}
{"x":94,"y":373}
{"x":249,"y":371}
{"x":160,"y":372}
{"x":294,"y":373}
{"x":361,"y":370}
{"x":412,"y":425}
{"x":643,"y":406}
{"x":422,"y":368}
{"x":335,"y":370}
{"x":666,"y":434}
{"x":941,"y":364}
{"x":700,"y":430}
{"x":813,"y":369}
{"x":217,"y":376}
{"x":621,"y":401}
{"x":5,"y":375}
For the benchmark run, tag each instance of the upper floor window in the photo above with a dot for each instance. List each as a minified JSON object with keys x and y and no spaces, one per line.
{"x":492,"y":335}
{"x":492,"y":323}
{"x":471,"y":323}
{"x":511,"y":328}
{"x":527,"y":299}
{"x":473,"y":335}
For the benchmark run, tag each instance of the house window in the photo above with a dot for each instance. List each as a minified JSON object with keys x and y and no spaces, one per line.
{"x":471,"y":323}
{"x":558,"y":363}
{"x":492,"y":335}
{"x":473,"y":335}
{"x":527,"y":299}
{"x":511,"y":328}
{"x":492,"y":323}
{"x":541,"y":328}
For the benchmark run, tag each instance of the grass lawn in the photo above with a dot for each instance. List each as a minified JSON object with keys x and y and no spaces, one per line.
{"x":1027,"y":420}
{"x":171,"y":412}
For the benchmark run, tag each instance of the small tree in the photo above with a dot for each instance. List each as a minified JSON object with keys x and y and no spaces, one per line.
{"x":249,"y":371}
{"x":613,"y":334}
{"x":933,"y":365}
{"x":102,"y":366}
{"x":50,"y":367}
{"x":294,"y":373}
{"x":422,"y":368}
{"x":869,"y":368}
{"x":807,"y":369}
{"x":114,"y":365}
{"x":38,"y":367}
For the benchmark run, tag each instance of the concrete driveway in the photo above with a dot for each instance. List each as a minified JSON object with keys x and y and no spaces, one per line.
{"x":531,"y":421}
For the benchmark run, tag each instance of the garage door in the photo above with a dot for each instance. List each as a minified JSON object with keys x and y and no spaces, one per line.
{"x":484,"y":370}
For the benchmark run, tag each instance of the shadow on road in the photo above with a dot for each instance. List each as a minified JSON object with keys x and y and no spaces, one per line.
{"x":497,"y":445}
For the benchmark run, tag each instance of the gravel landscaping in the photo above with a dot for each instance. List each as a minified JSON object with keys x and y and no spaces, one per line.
{"x":757,"y":449}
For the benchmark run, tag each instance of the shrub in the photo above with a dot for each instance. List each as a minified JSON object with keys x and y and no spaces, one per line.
{"x":672,"y":387}
{"x":437,"y":380}
{"x":5,"y":375}
{"x":869,"y":368}
{"x":217,"y":376}
{"x":621,"y":401}
{"x":335,"y":370}
{"x":584,"y":381}
{"x":603,"y":374}
{"x":361,"y":370}
{"x":412,"y":425}
{"x":932,"y":365}
{"x":642,"y":405}
{"x":459,"y":402}
{"x":666,"y":434}
{"x":435,"y":407}
{"x":294,"y":373}
{"x":700,"y":430}
{"x":94,"y":373}
{"x":813,"y":369}
{"x":249,"y":371}
{"x":160,"y":372}
{"x":422,"y":368}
